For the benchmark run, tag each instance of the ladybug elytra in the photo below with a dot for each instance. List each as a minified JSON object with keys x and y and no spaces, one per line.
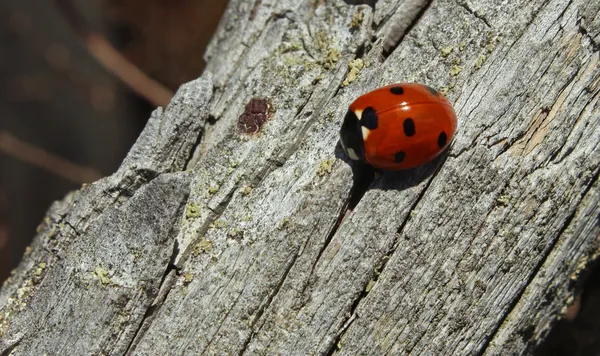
{"x":398,"y":126}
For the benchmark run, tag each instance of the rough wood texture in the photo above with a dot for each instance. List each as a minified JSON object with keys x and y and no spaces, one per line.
{"x":250,"y":250}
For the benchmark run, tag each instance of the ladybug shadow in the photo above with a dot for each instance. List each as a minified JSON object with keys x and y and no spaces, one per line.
{"x":366,"y":177}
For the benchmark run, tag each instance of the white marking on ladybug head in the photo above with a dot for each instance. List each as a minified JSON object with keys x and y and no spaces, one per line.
{"x":365,"y":132}
{"x":352,"y":154}
{"x":358,"y":113}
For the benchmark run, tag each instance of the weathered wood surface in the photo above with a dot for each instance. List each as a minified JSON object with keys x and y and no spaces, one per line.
{"x":208,"y":241}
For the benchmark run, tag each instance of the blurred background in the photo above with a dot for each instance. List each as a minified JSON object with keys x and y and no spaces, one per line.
{"x":79,"y":80}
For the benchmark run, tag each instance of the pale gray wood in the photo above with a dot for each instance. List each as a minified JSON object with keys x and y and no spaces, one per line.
{"x":477,"y":252}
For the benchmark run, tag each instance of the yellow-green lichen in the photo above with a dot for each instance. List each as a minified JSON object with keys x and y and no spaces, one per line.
{"x":284,"y":224}
{"x":455,"y":70}
{"x":235,"y":233}
{"x":40,"y":269}
{"x":202,"y":246}
{"x":503,"y":199}
{"x":354,"y":67}
{"x":333,"y":55}
{"x":357,"y":19}
{"x":369,"y":286}
{"x":325,"y":167}
{"x":192,"y":211}
{"x":324,"y":43}
{"x":489,"y":43}
{"x":322,"y":40}
{"x":445,"y":51}
{"x":102,"y":275}
{"x":4,"y":324}
{"x":188,"y":278}
{"x":505,"y":234}
{"x":378,"y":268}
{"x":246,"y":190}
{"x":213,"y":189}
{"x":480,"y":60}
{"x":54,"y":232}
{"x":219,"y":224}
{"x":291,"y":46}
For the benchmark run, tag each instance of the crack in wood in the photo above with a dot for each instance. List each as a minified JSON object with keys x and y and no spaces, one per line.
{"x":159,"y":299}
{"x":266,"y":305}
{"x":7,"y":346}
{"x":215,"y":335}
{"x":396,"y":35}
{"x":465,"y":6}
{"x":194,"y":147}
{"x":376,"y":274}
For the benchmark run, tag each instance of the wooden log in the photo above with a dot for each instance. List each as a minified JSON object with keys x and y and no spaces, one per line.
{"x":209,"y":240}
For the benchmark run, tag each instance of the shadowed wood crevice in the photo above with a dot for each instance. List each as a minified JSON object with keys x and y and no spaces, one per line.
{"x":404,"y":19}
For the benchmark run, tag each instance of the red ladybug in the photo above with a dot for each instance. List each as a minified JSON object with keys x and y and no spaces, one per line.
{"x":398,"y":126}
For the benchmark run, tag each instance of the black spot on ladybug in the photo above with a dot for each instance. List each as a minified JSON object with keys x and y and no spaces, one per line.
{"x":409,"y":127}
{"x":397,"y":90}
{"x":442,"y":139}
{"x":399,"y":156}
{"x":369,"y":118}
{"x":254,"y":116}
{"x":351,"y":137}
{"x":432,"y":91}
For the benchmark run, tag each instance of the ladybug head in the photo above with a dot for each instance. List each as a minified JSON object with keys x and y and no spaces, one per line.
{"x":351,"y":137}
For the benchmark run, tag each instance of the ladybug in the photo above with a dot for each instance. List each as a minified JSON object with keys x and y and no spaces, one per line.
{"x":398,"y":126}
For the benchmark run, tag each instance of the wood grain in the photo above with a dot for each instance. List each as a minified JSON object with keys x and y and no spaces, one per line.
{"x":479,"y":251}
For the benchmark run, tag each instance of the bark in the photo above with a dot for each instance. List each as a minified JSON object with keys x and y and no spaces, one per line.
{"x":211,"y":241}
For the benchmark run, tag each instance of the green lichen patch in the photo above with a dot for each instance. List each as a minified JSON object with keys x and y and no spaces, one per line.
{"x":357,"y":19}
{"x":246,"y":190}
{"x":102,"y":275}
{"x":480,"y":60}
{"x":188,"y":278}
{"x":284,"y":224}
{"x":201,"y":247}
{"x":235,"y":233}
{"x":503,"y":199}
{"x":455,"y":70}
{"x":446,"y":51}
{"x":219,"y":224}
{"x":40,"y":269}
{"x":325,"y":45}
{"x":325,"y":167}
{"x":354,"y":67}
{"x":192,"y":211}
{"x":213,"y":189}
{"x":370,"y":285}
{"x":331,"y":58}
